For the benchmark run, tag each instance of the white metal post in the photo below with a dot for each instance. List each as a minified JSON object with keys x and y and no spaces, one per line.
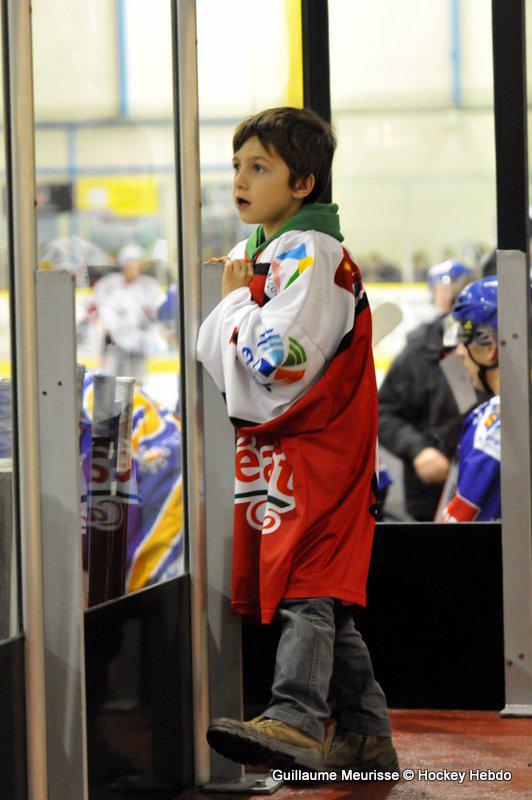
{"x":61,"y":537}
{"x":516,"y":473}
{"x":515,"y":345}
{"x":189,"y":221}
{"x":21,"y":181}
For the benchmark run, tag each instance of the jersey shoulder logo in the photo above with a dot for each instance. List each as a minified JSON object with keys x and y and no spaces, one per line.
{"x":347,"y":275}
{"x":487,"y":436}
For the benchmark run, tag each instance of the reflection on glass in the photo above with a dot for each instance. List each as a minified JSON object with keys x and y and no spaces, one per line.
{"x":8,"y":561}
{"x":107,"y":213}
{"x":414,"y":175}
{"x":419,"y":418}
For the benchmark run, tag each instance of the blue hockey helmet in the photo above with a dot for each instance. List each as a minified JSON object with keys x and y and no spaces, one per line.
{"x":475,"y":308}
{"x":448,"y":272}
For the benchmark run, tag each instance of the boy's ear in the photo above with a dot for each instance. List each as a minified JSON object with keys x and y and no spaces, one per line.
{"x":303,"y":186}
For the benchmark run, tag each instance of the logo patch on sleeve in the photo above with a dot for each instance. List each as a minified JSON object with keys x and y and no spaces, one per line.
{"x":347,"y":275}
{"x":487,"y":437}
{"x":270,"y":360}
{"x":460,"y":510}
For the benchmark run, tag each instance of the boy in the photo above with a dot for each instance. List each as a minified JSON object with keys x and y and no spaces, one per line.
{"x":478,"y":490}
{"x":297,"y":373}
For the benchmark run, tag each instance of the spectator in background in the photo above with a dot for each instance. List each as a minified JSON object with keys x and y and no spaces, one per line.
{"x":488,"y":265}
{"x":420,"y":265}
{"x":127,"y":304}
{"x":419,"y":420}
{"x":377,"y":270}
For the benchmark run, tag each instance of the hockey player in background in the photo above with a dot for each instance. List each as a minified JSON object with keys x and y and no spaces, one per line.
{"x":419,"y":421}
{"x":127,"y":305}
{"x":478,"y":494}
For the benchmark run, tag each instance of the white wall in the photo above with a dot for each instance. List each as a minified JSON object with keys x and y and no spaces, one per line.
{"x":242,"y":56}
{"x":75,"y":61}
{"x":388,"y":54}
{"x":149,"y":58}
{"x":476,"y":58}
{"x":415,"y":181}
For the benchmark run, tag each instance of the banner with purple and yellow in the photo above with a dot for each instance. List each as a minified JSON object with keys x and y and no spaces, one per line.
{"x":154,"y":496}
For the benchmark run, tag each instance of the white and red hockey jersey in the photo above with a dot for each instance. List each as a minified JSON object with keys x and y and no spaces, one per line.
{"x":292,"y":355}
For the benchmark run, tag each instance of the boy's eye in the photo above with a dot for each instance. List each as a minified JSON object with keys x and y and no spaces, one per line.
{"x":258,"y":167}
{"x":236,"y":167}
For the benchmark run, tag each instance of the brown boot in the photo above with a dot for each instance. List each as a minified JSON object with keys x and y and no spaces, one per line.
{"x":356,"y":751}
{"x":264,"y":741}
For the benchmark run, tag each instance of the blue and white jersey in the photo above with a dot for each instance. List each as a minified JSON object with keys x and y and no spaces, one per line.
{"x":478,"y":493}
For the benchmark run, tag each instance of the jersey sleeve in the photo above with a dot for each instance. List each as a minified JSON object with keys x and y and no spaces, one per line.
{"x":265,"y":358}
{"x":238,"y":251}
{"x":478,"y":487}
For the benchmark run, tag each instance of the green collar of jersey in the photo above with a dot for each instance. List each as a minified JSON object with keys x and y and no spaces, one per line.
{"x":322,"y":217}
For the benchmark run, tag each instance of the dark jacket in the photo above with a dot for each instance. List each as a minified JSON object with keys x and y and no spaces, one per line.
{"x":417,"y":410}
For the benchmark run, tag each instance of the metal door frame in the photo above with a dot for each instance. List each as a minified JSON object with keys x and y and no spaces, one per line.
{"x":45,"y":722}
{"x":189,"y":244}
{"x":47,"y":457}
{"x":20,"y":168}
{"x":515,"y":346}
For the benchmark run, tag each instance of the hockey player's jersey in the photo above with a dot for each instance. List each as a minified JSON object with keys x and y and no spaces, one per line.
{"x":296,"y":369}
{"x":127,"y":310}
{"x":478,"y":492}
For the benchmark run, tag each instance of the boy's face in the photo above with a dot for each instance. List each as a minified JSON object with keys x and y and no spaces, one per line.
{"x":260,"y":187}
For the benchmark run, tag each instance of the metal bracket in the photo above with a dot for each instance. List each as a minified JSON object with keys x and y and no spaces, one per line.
{"x":248,"y":784}
{"x":516,"y":711}
{"x":225,"y":648}
{"x":61,"y":539}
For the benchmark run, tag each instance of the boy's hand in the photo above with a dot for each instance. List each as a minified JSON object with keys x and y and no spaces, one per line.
{"x":237,"y":273}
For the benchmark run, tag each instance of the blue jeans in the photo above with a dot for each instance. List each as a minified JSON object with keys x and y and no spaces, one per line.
{"x":323,"y":669}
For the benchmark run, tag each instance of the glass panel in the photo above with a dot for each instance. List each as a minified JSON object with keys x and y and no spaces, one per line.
{"x":414,"y":175}
{"x":266,"y":76}
{"x":107,"y":213}
{"x":9,"y":622}
{"x":528,"y":13}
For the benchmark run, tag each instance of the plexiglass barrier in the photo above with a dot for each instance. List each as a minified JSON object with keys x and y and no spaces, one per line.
{"x":414,"y":176}
{"x":107,"y":213}
{"x":9,"y":625}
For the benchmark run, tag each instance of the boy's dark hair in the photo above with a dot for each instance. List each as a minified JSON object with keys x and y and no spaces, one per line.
{"x":304,"y":141}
